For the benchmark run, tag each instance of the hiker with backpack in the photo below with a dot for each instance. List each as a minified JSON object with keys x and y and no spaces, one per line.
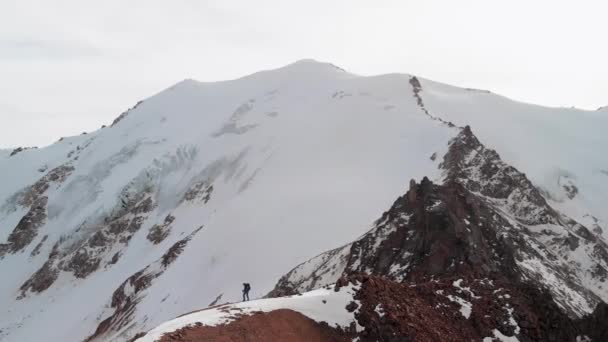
{"x":246,"y":289}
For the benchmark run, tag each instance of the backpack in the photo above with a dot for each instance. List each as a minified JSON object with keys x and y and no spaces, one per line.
{"x":247,"y":287}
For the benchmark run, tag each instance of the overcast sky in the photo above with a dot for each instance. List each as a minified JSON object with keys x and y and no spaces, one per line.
{"x":68,"y":66}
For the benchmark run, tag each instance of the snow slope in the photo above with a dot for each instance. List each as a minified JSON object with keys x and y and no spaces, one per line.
{"x":323,"y":305}
{"x":281,"y":165}
{"x":556,"y":147}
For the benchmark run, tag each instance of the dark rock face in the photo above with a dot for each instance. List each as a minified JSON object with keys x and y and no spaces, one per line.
{"x":36,"y":249}
{"x":83,"y":263}
{"x":57,"y":175}
{"x":481,"y":170}
{"x":216,"y":300}
{"x":200,"y":191}
{"x":417,"y":89}
{"x":457,"y":309}
{"x":19,"y":150}
{"x":27,"y":228}
{"x":33,"y":197}
{"x":116,"y":230}
{"x":433,"y":230}
{"x":486,"y":225}
{"x":124,"y":303}
{"x":594,"y":325}
{"x":42,"y":279}
{"x":126,"y":297}
{"x":124,"y":114}
{"x":158,"y":233}
{"x":177,"y":248}
{"x":88,"y":256}
{"x":437,"y":231}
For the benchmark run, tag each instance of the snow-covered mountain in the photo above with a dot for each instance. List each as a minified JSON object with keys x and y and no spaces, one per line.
{"x":205,"y":186}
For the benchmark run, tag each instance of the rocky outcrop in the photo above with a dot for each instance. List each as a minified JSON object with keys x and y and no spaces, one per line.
{"x":376,"y":309}
{"x":126,"y":297}
{"x":549,"y":244}
{"x":57,"y":175}
{"x":124,"y":114}
{"x":38,"y":247}
{"x":159,"y":232}
{"x":481,"y":170}
{"x":20,"y":149}
{"x":278,"y":325}
{"x":41,"y":279}
{"x":177,"y":248}
{"x":36,"y":201}
{"x":486,"y":219}
{"x":27,"y":228}
{"x":594,"y":325}
{"x":44,"y":277}
{"x":433,"y":230}
{"x":113,"y":233}
{"x":200,"y":191}
{"x":464,"y":309}
{"x":417,"y":89}
{"x":87,"y":256}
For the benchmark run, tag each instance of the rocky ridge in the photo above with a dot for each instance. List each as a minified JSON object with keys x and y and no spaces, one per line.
{"x":486,"y":219}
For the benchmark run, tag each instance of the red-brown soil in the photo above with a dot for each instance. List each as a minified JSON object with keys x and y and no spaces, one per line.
{"x":422,"y":312}
{"x":279,"y":325}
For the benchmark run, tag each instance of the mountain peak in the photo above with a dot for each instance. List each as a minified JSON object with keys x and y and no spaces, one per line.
{"x":309,"y":64}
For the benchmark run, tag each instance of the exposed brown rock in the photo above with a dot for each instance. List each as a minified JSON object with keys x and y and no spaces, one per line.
{"x":144,"y":206}
{"x":437,"y":230}
{"x":20,"y":149}
{"x":98,"y":240}
{"x":278,"y":325}
{"x":124,"y":302}
{"x":36,"y":249}
{"x":426,"y":311}
{"x":34,"y":192}
{"x":474,"y":224}
{"x":177,"y":249}
{"x":124,"y":114}
{"x":417,"y":89}
{"x":27,"y":228}
{"x":158,"y":233}
{"x":199,"y":191}
{"x":82,"y":263}
{"x":480,"y":169}
{"x":115,"y":258}
{"x":41,"y":279}
{"x":33,"y":197}
{"x":87,"y":258}
{"x":429,"y":310}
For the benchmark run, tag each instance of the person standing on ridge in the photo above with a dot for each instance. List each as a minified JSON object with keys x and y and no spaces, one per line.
{"x":246,"y":288}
